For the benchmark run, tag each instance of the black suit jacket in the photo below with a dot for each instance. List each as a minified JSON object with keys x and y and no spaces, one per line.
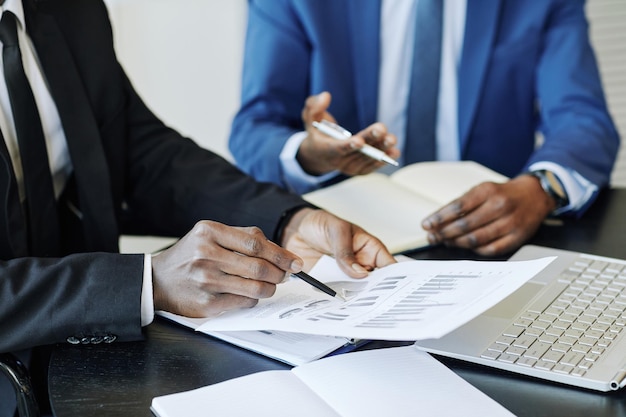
{"x":132,"y":174}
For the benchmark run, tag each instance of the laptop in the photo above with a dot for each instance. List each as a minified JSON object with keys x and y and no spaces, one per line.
{"x":567,"y":324}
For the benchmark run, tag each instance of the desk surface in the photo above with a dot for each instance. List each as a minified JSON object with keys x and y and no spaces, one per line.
{"x":121,"y":379}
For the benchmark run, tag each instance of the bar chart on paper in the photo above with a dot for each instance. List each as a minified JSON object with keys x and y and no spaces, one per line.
{"x":405,"y":301}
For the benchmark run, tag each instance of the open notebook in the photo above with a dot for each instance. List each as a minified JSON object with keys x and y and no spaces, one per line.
{"x":392,"y":207}
{"x":564,"y":325}
{"x":395,"y":382}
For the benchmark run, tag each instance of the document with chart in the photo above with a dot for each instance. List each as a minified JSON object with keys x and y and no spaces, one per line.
{"x":410,"y":300}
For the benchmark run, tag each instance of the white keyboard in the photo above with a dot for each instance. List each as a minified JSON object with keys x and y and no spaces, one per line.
{"x":569,"y":334}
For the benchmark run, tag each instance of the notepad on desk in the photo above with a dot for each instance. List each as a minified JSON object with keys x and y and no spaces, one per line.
{"x":392,"y":207}
{"x":396,"y":382}
{"x":289,"y":347}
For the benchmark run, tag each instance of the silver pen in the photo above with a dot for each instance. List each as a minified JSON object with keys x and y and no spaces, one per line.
{"x":337,"y":132}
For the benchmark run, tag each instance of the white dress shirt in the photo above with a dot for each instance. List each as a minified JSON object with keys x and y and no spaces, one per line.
{"x":56,"y":143}
{"x":396,"y":40}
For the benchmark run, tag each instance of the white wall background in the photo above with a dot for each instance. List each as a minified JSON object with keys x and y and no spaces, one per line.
{"x":185,"y":57}
{"x":607,"y":19}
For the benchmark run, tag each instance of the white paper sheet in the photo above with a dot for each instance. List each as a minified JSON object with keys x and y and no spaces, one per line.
{"x":410,"y":300}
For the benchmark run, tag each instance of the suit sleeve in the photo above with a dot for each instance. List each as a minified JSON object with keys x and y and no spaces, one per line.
{"x":83,"y":298}
{"x":175,"y":183}
{"x":578,"y":130}
{"x":275,"y":84}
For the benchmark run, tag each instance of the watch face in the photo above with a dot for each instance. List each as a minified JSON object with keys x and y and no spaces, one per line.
{"x":555,"y":184}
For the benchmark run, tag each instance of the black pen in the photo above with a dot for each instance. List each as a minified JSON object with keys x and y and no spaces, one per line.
{"x":317,"y":284}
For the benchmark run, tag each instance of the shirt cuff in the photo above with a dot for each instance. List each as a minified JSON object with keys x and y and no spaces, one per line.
{"x":147,"y":298}
{"x":579,"y":189}
{"x":297,"y":180}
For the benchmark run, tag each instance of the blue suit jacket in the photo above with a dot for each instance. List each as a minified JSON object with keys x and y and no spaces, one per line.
{"x":525,"y":67}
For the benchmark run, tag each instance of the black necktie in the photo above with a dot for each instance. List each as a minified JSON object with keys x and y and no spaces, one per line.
{"x":420,"y":142}
{"x":40,"y":205}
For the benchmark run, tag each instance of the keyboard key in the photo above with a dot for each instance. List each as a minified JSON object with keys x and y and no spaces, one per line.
{"x":578,"y":325}
{"x":497,"y":347}
{"x":552,"y":356}
{"x":533,"y":332}
{"x":545,"y":365}
{"x":572,"y":358}
{"x":592,"y":357}
{"x":561,"y":347}
{"x":599,"y":327}
{"x":581,"y":348}
{"x":549,"y":339}
{"x":507,"y":340}
{"x":537,"y":350}
{"x":547,"y":318}
{"x":490,"y":354}
{"x":605,"y":320}
{"x":594,"y":334}
{"x":569,"y":318}
{"x":598,"y":350}
{"x":507,"y":358}
{"x":514,"y":351}
{"x":586,"y":319}
{"x":575,"y":334}
{"x":513,"y":331}
{"x":578,"y":372}
{"x":563,"y":369}
{"x":540,"y":325}
{"x":526,"y":362}
{"x":523,"y":322}
{"x":554,"y":331}
{"x":587,"y":341}
{"x":560,"y":324}
{"x":524,"y":342}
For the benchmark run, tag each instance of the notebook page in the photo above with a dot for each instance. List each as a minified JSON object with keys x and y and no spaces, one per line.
{"x":395,"y":382}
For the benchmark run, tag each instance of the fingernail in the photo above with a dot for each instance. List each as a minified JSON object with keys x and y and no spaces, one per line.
{"x":427,"y":224}
{"x":432,"y":239}
{"x":375,"y":133}
{"x":297,"y":265}
{"x":358,"y":268}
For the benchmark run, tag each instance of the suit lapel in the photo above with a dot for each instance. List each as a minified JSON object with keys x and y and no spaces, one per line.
{"x":81,"y":131}
{"x":365,"y":41}
{"x":480,"y":32}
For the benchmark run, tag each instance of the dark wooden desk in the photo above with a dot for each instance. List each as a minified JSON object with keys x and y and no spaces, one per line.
{"x":121,"y":379}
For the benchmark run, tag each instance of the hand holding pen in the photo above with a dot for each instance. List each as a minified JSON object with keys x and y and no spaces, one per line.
{"x":337,"y":132}
{"x":321,"y":151}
